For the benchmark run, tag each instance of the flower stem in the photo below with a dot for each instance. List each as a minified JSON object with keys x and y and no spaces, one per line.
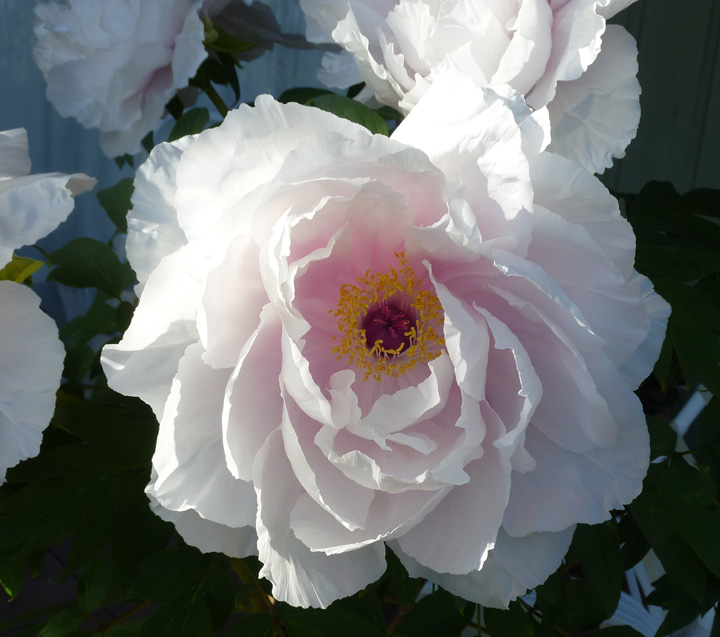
{"x":215,"y":99}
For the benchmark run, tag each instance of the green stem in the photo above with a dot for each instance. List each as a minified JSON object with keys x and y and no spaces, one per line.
{"x":119,"y":620}
{"x":216,"y":99}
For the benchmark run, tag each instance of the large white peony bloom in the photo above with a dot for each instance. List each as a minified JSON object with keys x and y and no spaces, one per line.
{"x":558,"y":53}
{"x":430,"y":340}
{"x":114,"y":64}
{"x":31,"y":354}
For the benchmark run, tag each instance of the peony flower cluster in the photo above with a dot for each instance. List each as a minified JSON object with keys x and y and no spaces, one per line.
{"x":559,"y":54}
{"x":31,"y":206}
{"x":113,"y":65}
{"x":428,"y":341}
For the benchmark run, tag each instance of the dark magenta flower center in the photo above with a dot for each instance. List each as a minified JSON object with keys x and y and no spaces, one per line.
{"x":387,"y":329}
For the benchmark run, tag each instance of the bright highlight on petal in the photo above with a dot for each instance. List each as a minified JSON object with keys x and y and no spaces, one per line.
{"x":389,"y":322}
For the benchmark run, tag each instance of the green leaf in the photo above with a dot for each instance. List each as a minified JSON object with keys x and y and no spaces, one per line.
{"x":184,"y":616}
{"x":257,"y":625}
{"x":513,"y":622}
{"x":302,"y":95}
{"x":100,"y":318}
{"x":351,"y":110}
{"x":436,"y":614}
{"x":400,"y":585}
{"x":663,"y":438}
{"x":618,"y":631}
{"x":697,"y":347}
{"x":116,"y":202}
{"x":674,"y":513}
{"x":11,"y":575}
{"x":94,"y":584}
{"x":85,"y":262}
{"x":168,"y":573}
{"x":216,"y":39}
{"x":219,"y":595}
{"x":19,"y":269}
{"x":634,"y":545}
{"x":190,"y":123}
{"x":64,"y":624}
{"x":349,"y":616}
{"x":598,"y":548}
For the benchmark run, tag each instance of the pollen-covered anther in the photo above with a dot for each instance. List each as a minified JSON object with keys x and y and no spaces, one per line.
{"x":388,"y":322}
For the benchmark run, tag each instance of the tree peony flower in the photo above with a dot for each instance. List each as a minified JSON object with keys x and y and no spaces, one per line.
{"x":429,"y":340}
{"x":114,"y":64}
{"x":31,"y":363}
{"x":559,"y":54}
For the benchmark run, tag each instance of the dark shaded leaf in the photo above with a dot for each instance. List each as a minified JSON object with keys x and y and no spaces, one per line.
{"x":87,"y":263}
{"x":351,"y":110}
{"x":116,"y":202}
{"x":190,"y":123}
{"x":513,"y":622}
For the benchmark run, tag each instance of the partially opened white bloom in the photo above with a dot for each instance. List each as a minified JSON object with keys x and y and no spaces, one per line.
{"x":114,"y":64}
{"x":558,"y":53}
{"x":430,"y":340}
{"x":31,"y":354}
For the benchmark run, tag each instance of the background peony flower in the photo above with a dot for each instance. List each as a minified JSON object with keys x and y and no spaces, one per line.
{"x":429,"y":340}
{"x":113,"y":65}
{"x":559,"y":54}
{"x":31,"y":364}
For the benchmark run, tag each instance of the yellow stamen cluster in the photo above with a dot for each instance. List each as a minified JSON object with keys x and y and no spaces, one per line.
{"x":371,"y":291}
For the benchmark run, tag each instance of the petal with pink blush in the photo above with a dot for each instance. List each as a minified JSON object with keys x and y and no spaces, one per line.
{"x":301,"y":577}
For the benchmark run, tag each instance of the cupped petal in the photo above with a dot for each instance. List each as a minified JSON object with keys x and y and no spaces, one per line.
{"x":299,"y":576}
{"x":208,"y":536}
{"x":478,"y":505}
{"x":563,"y":490}
{"x":30,"y":369}
{"x":253,"y":405}
{"x":188,"y":468}
{"x":596,"y":116}
{"x":514,"y":566}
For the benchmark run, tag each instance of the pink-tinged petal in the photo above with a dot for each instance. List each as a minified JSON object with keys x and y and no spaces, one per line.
{"x":188,"y":474}
{"x":208,"y":536}
{"x":30,"y":369}
{"x":340,"y":497}
{"x":153,"y":229}
{"x":253,"y":405}
{"x":299,"y":576}
{"x":563,"y":488}
{"x":514,"y":566}
{"x":232,"y":301}
{"x":31,"y":206}
{"x":596,"y":116}
{"x":612,"y":307}
{"x":145,"y":361}
{"x":390,"y":515}
{"x":467,"y":342}
{"x":638,"y":367}
{"x":478,"y":505}
{"x":248,"y":150}
{"x":394,"y":466}
{"x":566,"y":189}
{"x":573,"y":412}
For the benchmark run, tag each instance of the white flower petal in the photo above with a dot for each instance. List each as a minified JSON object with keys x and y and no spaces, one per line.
{"x":30,"y":369}
{"x":299,"y":576}
{"x":186,"y":472}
